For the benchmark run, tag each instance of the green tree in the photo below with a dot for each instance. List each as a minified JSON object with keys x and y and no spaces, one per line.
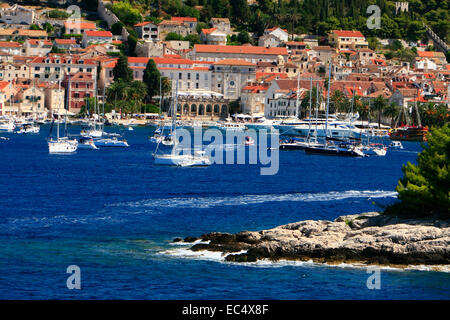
{"x":379,"y":105}
{"x":243,"y":37}
{"x":424,"y":189}
{"x":152,"y":79}
{"x":121,"y":70}
{"x":116,"y":28}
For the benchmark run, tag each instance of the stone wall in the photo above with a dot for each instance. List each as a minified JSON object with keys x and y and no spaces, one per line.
{"x":110,"y":18}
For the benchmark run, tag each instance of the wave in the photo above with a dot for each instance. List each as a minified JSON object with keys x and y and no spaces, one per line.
{"x":211,"y":202}
{"x":220,"y":257}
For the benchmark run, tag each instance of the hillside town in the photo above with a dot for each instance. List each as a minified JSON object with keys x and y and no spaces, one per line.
{"x":269,"y":78}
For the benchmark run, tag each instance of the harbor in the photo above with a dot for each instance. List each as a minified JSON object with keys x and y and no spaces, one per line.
{"x":115,"y":212}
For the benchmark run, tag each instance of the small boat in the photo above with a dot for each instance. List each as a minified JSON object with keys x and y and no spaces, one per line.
{"x":231,"y":126}
{"x":29,"y":128}
{"x":198,"y":159}
{"x":375,"y":149}
{"x":157,"y":137}
{"x":62,"y":145}
{"x":86,"y":143}
{"x":7,"y":125}
{"x":297,"y":144}
{"x":4,"y":138}
{"x":111,"y":142}
{"x":91,"y":132}
{"x":396,"y":145}
{"x":130,"y":129}
{"x":341,"y":149}
{"x":249,"y":141}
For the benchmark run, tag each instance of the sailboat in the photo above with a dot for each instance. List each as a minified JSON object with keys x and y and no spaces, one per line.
{"x":199,"y":158}
{"x":61,"y":144}
{"x":108,"y":142}
{"x":330,"y":147}
{"x":373,"y":149}
{"x":296,"y":143}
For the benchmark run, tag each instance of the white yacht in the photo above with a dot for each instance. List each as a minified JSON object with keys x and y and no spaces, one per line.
{"x":184,"y":160}
{"x":29,"y":128}
{"x":62,"y":145}
{"x":231,"y":126}
{"x":7,"y":125}
{"x":198,"y":158}
{"x":336,"y":128}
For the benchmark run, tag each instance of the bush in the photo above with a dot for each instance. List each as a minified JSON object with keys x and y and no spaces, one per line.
{"x":58,"y":14}
{"x":126,"y":13}
{"x":174,"y":36}
{"x":423,"y":190}
{"x":116,"y":28}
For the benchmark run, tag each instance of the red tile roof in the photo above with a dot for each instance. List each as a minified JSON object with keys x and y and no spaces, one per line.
{"x":142,"y":24}
{"x":183,"y":19}
{"x":98,"y":33}
{"x":10,"y":44}
{"x":234,"y":62}
{"x":65,"y":41}
{"x":348,"y":33}
{"x":3,"y":85}
{"x":81,"y":25}
{"x":208,"y":31}
{"x":207,"y":48}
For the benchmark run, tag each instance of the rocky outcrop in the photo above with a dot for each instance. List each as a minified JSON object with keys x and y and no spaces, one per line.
{"x":369,"y":238}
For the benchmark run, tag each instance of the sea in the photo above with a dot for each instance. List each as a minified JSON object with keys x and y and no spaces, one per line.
{"x":114,"y":215}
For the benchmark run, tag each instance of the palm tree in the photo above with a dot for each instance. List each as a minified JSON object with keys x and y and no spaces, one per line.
{"x":379,"y":105}
{"x":392,"y":111}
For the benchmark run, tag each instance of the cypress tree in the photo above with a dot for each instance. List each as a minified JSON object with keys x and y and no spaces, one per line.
{"x":151,"y":79}
{"x":121,"y":70}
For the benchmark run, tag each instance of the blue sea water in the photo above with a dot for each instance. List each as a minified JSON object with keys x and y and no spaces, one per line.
{"x":114,"y":213}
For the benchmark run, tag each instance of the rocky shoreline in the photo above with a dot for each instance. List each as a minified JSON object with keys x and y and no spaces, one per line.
{"x":369,"y":238}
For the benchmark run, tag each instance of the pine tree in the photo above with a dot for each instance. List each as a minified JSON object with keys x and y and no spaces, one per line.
{"x":424,"y":189}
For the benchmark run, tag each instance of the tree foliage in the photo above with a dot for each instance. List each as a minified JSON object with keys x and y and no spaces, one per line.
{"x":121,"y":70}
{"x":424,"y":189}
{"x":152,"y":79}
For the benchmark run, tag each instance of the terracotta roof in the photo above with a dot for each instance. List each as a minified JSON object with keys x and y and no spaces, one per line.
{"x":170,"y":22}
{"x":107,"y":34}
{"x":348,"y":33}
{"x":3,"y":85}
{"x":32,"y":33}
{"x":208,"y":31}
{"x":239,"y":49}
{"x":6,"y":32}
{"x":275,"y":28}
{"x":183,"y":19}
{"x":323,"y":48}
{"x":81,"y":25}
{"x":65,"y":41}
{"x":234,"y":62}
{"x":10,"y":44}
{"x":142,"y":24}
{"x":36,"y":42}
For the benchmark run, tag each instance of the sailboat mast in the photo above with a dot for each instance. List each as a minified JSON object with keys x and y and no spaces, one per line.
{"x":297,"y":107}
{"x":310,"y":105}
{"x":317,"y":110}
{"x":67,"y":98}
{"x":174,"y":112}
{"x":328,"y":102}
